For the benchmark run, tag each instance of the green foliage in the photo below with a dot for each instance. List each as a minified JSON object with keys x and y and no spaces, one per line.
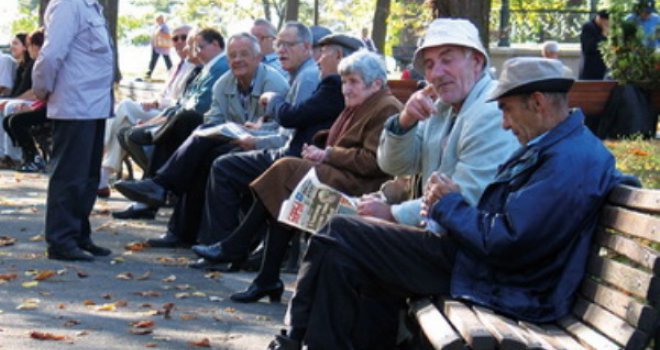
{"x":158,"y":5}
{"x":128,"y":24}
{"x":638,"y":157}
{"x":624,"y":52}
{"x":406,"y":23}
{"x":28,"y":17}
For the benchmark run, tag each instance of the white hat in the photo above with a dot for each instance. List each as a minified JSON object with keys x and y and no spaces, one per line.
{"x":521,"y":75}
{"x":449,"y":31}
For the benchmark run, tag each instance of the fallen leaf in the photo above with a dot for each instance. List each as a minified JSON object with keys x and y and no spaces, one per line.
{"x":230,"y":310}
{"x":6,"y":241}
{"x":89,"y":302}
{"x":136,"y":246}
{"x":106,"y":296}
{"x":121,"y":303}
{"x":62,"y":272}
{"x":148,"y":293}
{"x":141,"y":331}
{"x":124,"y":276}
{"x":31,"y":272}
{"x":27,"y":306}
{"x":188,"y":317}
{"x":117,"y":260}
{"x":182,"y":287}
{"x":262,"y":318}
{"x":107,"y":307}
{"x":104,"y":227}
{"x":46,"y":336}
{"x":61,"y":306}
{"x":30,"y":284}
{"x":36,"y":238}
{"x":214,"y":275}
{"x":199,"y":294}
{"x":71,"y":323}
{"x":204,"y":343}
{"x":168,"y":279}
{"x":45,"y":274}
{"x":82,"y":333}
{"x":639,"y":152}
{"x":81,"y":274}
{"x":8,"y":277}
{"x":182,"y":295}
{"x":44,"y":293}
{"x":215,"y":298}
{"x":150,"y":345}
{"x":144,"y":276}
{"x":143,"y":324}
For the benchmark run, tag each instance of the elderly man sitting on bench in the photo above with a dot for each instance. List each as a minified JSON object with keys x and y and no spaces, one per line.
{"x":521,"y":251}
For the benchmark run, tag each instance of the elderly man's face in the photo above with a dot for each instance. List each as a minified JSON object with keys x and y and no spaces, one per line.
{"x":266,"y":40}
{"x":179,"y":38}
{"x":291,"y":51}
{"x":521,"y":117}
{"x":451,"y":71}
{"x":243,"y":61}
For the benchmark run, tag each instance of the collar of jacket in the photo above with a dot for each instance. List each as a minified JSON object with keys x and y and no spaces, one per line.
{"x":528,"y":156}
{"x":308,"y":62}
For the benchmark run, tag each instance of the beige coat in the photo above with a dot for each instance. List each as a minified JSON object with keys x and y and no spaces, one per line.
{"x":351,"y":166}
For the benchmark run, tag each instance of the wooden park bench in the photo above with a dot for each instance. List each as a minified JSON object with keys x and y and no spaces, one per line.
{"x":618,"y":306}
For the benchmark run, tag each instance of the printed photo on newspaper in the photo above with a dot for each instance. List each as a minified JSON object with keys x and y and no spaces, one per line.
{"x":227,"y":131}
{"x":312,"y":203}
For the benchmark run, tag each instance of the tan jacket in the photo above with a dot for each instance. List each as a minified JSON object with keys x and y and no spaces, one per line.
{"x":351,"y":166}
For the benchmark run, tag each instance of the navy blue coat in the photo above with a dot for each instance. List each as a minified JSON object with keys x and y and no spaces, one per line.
{"x":524,"y":248}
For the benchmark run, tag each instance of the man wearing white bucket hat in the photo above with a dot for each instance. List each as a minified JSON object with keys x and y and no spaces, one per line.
{"x":520,"y":251}
{"x":448,"y":127}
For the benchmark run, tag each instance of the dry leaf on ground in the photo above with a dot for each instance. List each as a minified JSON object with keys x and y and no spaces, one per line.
{"x":168,"y":279}
{"x":45,"y":274}
{"x":46,"y":336}
{"x":8,"y":277}
{"x":71,"y":323}
{"x":144,"y":276}
{"x":142,"y":324}
{"x":6,"y":240}
{"x":30,"y":284}
{"x":204,"y":343}
{"x":141,"y":331}
{"x":148,"y":293}
{"x":135,"y":246}
{"x":107,"y":307}
{"x":89,"y":302}
{"x":188,"y":317}
{"x":124,"y":276}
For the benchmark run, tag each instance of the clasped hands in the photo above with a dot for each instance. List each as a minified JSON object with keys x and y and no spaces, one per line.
{"x":437,"y":186}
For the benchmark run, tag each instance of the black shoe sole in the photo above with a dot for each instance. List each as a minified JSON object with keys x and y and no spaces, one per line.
{"x":67,"y":257}
{"x":140,"y":197}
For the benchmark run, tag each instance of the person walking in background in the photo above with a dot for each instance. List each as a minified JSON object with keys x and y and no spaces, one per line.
{"x":366,"y":39}
{"x":592,"y":66}
{"x":74,"y":73}
{"x":645,"y":17}
{"x":550,"y":49}
{"x":161,"y":42}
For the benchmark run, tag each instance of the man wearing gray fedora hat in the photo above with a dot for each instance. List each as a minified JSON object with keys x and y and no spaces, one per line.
{"x":520,"y":251}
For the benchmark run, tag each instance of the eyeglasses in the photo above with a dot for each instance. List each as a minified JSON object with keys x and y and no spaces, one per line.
{"x":181,"y":37}
{"x":200,"y":47}
{"x":265,"y":37}
{"x":280,"y":44}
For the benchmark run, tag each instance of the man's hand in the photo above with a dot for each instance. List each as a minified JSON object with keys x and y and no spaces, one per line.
{"x":437,"y":186}
{"x":266,"y":97}
{"x":247,"y":143}
{"x":374,"y":205}
{"x":147,"y":106}
{"x":313,"y":153}
{"x":254,"y":126}
{"x":420,"y":106}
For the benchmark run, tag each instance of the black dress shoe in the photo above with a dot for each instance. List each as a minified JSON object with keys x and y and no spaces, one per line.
{"x":208,"y":265}
{"x":144,"y":191}
{"x":283,"y":342}
{"x":254,"y":293}
{"x":216,"y":254}
{"x":71,"y":254}
{"x":95,"y":249}
{"x":132,"y":213}
{"x":167,"y":240}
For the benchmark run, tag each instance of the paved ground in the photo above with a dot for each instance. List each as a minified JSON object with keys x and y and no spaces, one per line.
{"x":92,"y":305}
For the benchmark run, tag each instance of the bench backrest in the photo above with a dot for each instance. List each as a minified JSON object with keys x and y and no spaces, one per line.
{"x":619,"y":302}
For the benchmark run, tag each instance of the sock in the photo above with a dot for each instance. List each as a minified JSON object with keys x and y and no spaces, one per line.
{"x":105,"y":176}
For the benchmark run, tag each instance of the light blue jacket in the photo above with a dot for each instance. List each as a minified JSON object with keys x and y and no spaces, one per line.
{"x":197,"y":96}
{"x":227,"y":107}
{"x":474,"y":148}
{"x":75,"y":67}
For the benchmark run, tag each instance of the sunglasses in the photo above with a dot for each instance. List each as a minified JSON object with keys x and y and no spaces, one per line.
{"x":181,"y":37}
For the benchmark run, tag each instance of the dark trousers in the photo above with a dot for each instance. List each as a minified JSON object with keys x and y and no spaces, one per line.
{"x":169,"y":136}
{"x":76,"y":164}
{"x":154,"y":60}
{"x":350,"y":259}
{"x":18,"y":128}
{"x":133,"y":139}
{"x":227,"y":189}
{"x":185,"y":173}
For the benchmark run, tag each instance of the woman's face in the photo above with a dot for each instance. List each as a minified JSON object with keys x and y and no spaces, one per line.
{"x":17,"y":49}
{"x":33,"y":50}
{"x":355,"y":90}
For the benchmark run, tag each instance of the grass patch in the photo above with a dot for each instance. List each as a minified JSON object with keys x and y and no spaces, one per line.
{"x":638,"y":157}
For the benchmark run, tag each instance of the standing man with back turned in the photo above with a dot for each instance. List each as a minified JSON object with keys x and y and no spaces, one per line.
{"x":74,"y":73}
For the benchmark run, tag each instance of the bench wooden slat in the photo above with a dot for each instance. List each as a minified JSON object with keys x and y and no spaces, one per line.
{"x":508,"y":337}
{"x":467,"y":324}
{"x":631,"y":280}
{"x":607,"y":323}
{"x":554,"y":337}
{"x":634,"y":251}
{"x":588,"y":337}
{"x":632,"y":223}
{"x":620,"y":304}
{"x":436,"y":328}
{"x":637,"y":198}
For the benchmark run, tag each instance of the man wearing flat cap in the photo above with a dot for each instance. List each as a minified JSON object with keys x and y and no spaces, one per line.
{"x":520,"y":251}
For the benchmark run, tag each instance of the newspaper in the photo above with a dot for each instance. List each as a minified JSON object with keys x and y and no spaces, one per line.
{"x":312,"y":203}
{"x":227,"y":131}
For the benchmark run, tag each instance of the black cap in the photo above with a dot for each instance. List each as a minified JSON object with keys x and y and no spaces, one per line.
{"x":348,"y":42}
{"x":318,"y":32}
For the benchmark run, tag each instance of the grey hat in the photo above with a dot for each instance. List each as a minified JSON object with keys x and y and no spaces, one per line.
{"x":522,"y":75}
{"x":348,"y":42}
{"x":318,"y":32}
{"x":449,"y":31}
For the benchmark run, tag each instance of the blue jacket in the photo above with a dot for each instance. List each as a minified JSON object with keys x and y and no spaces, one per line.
{"x":524,"y":248}
{"x":198,"y":95}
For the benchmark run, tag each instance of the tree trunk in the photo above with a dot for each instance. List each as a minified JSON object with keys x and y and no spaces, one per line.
{"x":379,"y":26}
{"x":111,"y":13}
{"x":477,"y":11}
{"x":266,"y":4}
{"x":292,"y":7}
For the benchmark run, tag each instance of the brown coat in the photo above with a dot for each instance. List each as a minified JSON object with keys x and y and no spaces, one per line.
{"x":351,"y":166}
